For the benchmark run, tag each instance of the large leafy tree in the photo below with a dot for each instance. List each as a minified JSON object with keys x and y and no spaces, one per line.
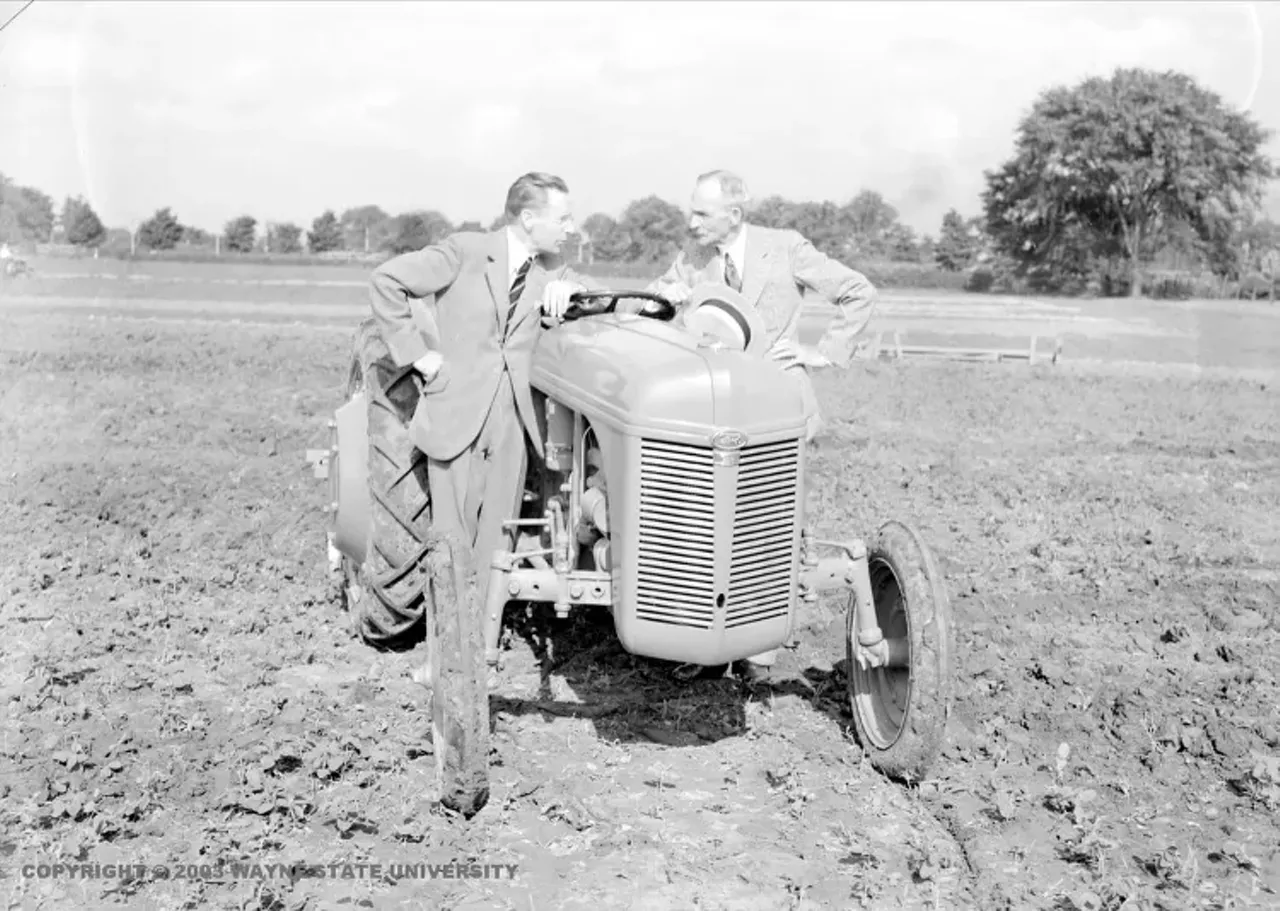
{"x":654,"y":230}
{"x":369,"y":228}
{"x":240,"y":233}
{"x":83,"y":227}
{"x":1111,"y":167}
{"x":609,"y":242}
{"x":869,"y":220}
{"x":285,"y":237}
{"x":325,"y":233}
{"x":26,"y":214}
{"x":162,"y":231}
{"x":825,"y":224}
{"x":957,"y":247}
{"x":415,"y":230}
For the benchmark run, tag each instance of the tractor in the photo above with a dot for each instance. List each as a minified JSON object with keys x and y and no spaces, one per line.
{"x":671,"y":495}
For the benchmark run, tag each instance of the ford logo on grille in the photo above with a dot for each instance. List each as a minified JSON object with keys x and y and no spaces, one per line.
{"x":729,"y":440}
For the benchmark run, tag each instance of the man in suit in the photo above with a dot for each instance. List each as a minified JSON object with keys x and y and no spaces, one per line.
{"x":769,"y":267}
{"x":462,"y":312}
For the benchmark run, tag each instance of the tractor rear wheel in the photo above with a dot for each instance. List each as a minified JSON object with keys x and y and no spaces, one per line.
{"x":900,"y":713}
{"x":414,"y":580}
{"x":388,"y":593}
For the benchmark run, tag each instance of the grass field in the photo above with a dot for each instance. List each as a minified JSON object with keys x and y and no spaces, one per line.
{"x":181,"y":688}
{"x":1217,"y":335}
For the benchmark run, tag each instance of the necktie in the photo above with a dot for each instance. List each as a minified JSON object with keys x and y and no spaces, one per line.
{"x":731,"y":276}
{"x":517,"y":288}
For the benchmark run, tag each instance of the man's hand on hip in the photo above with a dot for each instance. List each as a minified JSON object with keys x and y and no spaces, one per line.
{"x":555,"y":297}
{"x":429,"y":365}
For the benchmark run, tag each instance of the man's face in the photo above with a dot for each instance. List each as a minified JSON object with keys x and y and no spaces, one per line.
{"x":711,"y":220}
{"x":551,"y":226}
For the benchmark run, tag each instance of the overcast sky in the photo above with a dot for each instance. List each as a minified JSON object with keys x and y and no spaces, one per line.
{"x":284,"y":109}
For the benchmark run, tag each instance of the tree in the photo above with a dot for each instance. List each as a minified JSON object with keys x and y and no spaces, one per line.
{"x":415,"y":230}
{"x":901,"y":244}
{"x":196,"y":237}
{"x":654,"y":228}
{"x":161,"y":231}
{"x":285,"y":238}
{"x":1106,"y":169}
{"x":867,"y":220}
{"x":470,"y":226}
{"x":325,"y":234}
{"x":26,"y":214}
{"x":82,"y":225}
{"x":1259,"y":242}
{"x":608,"y":243}
{"x":824,"y":223}
{"x":772,"y":212}
{"x":239,"y":233}
{"x":956,"y":247}
{"x":366,"y":228}
{"x":926,"y":249}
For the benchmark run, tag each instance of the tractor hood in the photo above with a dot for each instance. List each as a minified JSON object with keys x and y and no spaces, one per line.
{"x":644,"y":377}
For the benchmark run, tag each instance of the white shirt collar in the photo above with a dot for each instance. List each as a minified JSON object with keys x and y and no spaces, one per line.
{"x":517,"y":253}
{"x":737,"y":249}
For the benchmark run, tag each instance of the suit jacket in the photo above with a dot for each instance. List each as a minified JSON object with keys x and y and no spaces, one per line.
{"x":451,"y":297}
{"x":780,"y":265}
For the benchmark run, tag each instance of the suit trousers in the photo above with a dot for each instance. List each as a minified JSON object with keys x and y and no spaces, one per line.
{"x":475,"y":492}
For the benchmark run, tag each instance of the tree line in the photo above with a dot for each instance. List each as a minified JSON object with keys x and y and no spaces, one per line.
{"x":1109,"y":180}
{"x":649,"y":230}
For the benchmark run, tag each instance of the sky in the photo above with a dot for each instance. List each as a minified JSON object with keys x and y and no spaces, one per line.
{"x":281,"y":110}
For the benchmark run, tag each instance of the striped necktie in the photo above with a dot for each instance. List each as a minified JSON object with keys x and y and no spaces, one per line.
{"x":517,"y":288}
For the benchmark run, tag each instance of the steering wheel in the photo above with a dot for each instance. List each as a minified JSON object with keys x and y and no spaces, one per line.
{"x":581,"y":303}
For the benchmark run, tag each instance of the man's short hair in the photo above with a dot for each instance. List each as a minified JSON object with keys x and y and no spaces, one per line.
{"x":733,"y":189}
{"x":530,"y":192}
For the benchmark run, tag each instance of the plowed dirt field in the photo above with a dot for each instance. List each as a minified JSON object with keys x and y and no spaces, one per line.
{"x":180,"y":693}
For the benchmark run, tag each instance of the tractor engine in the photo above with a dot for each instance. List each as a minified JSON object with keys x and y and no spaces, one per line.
{"x":679,"y":464}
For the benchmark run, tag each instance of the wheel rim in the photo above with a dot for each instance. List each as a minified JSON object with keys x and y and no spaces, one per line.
{"x":882,"y":696}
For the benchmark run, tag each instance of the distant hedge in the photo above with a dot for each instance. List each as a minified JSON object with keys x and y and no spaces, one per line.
{"x":189,"y":254}
{"x":982,"y":279}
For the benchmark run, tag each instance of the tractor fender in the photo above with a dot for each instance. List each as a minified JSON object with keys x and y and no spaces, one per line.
{"x":350,"y":484}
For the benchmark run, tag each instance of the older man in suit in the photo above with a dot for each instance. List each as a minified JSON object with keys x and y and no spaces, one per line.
{"x":769,"y":267}
{"x":462,"y":311}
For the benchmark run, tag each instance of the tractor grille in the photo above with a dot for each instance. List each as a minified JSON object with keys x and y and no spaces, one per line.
{"x":675,"y":565}
{"x":675,"y":558}
{"x":763,"y":534}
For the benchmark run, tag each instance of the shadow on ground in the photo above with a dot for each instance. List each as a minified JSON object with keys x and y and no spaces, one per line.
{"x":575,"y":667}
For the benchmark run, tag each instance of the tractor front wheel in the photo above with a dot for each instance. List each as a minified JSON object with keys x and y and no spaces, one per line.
{"x":900,"y":712}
